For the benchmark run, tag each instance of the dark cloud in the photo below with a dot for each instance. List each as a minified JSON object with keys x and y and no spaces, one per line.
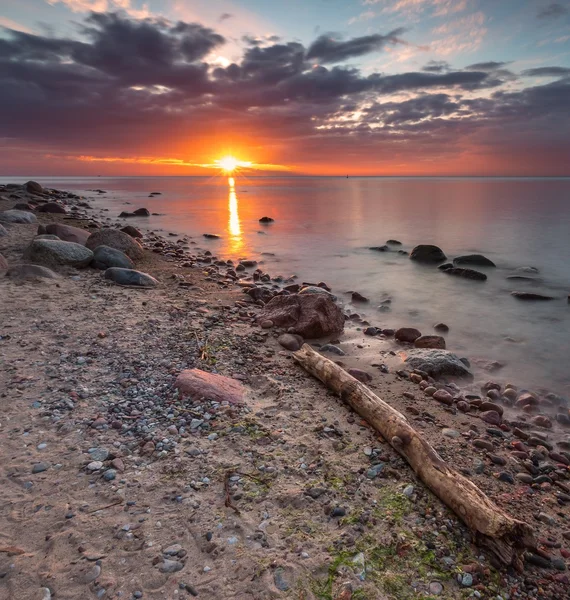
{"x":436,"y":66}
{"x":553,"y":11}
{"x":547,"y":72}
{"x":224,"y":17}
{"x":329,"y":49}
{"x":486,"y":66}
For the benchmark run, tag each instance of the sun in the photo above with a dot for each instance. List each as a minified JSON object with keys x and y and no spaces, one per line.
{"x":229,"y":164}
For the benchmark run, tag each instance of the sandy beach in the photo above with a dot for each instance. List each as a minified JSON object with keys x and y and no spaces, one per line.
{"x":119,"y":482}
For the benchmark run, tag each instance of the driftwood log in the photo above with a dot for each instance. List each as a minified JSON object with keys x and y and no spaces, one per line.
{"x":505,"y":537}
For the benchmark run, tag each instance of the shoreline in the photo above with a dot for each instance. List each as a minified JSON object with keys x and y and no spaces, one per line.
{"x":106,"y":374}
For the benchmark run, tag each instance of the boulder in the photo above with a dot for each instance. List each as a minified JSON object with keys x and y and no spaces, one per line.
{"x":67,"y":233}
{"x":17,"y":216}
{"x":52,"y":252}
{"x":132,"y":231}
{"x":118,"y":240}
{"x":31,"y":272}
{"x":441,"y":327}
{"x":436,"y":363}
{"x":266,"y":220}
{"x":3,"y":231}
{"x":430,"y":341}
{"x":3,"y":263}
{"x":427,"y":253}
{"x":315,"y":289}
{"x":308,"y":315}
{"x":53,"y":208}
{"x":33,"y":187}
{"x":198,"y":384}
{"x":139,"y":212}
{"x":105,"y":257}
{"x":47,"y":236}
{"x":466,"y":273}
{"x":407,"y":334}
{"x":130,"y":277}
{"x":474,"y":259}
{"x":394,"y":242}
{"x":530,"y":296}
{"x":290,"y":341}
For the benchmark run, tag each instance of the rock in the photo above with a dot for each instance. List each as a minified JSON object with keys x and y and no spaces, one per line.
{"x":51,"y":252}
{"x":113,"y":238}
{"x":110,"y":475}
{"x":357,"y":297}
{"x":524,"y":477}
{"x":199,"y":384}
{"x":315,"y":289}
{"x":33,"y":187}
{"x":105,"y":257}
{"x":436,"y":363}
{"x":212,"y":236}
{"x":427,"y":253}
{"x":445,"y":266}
{"x":379,"y":248}
{"x":67,"y":233}
{"x":492,"y":417}
{"x":466,"y":273}
{"x":139,"y":212}
{"x":47,"y":236}
{"x":430,"y":341}
{"x":95,"y":465}
{"x":98,"y":453}
{"x":40,"y":468}
{"x":450,"y":433}
{"x":279,"y":579}
{"x":362,"y":376}
{"x":474,"y":259}
{"x":132,"y":231}
{"x":3,"y":231}
{"x":444,"y":397}
{"x":3,"y":263}
{"x":338,"y":511}
{"x":17,"y":216}
{"x":530,"y":296}
{"x":23,"y":206}
{"x":53,"y":208}
{"x":435,"y":588}
{"x":31,"y":272}
{"x":170,"y":566}
{"x":483,"y":444}
{"x":290,"y":341}
{"x":266,"y":220}
{"x":332,"y":349}
{"x":91,"y":574}
{"x":407,"y":334}
{"x":130,"y":277}
{"x":496,"y":459}
{"x":309,"y":315}
{"x":441,"y":327}
{"x":394,"y":242}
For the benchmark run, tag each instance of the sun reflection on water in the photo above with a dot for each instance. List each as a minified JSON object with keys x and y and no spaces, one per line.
{"x":234,"y":225}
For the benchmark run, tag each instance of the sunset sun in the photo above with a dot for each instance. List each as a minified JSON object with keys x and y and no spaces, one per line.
{"x":229,"y":164}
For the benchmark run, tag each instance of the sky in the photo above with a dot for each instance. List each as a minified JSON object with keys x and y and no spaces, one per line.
{"x":321,"y":87}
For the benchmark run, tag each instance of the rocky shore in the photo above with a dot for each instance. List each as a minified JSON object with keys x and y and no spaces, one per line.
{"x":159,"y":442}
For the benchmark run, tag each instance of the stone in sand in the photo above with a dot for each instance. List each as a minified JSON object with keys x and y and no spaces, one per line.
{"x":3,"y":231}
{"x":491,"y":416}
{"x":132,"y":231}
{"x":33,"y":187}
{"x":362,"y":376}
{"x":130,"y":277}
{"x":530,"y":296}
{"x":199,"y":384}
{"x":31,"y":272}
{"x":105,"y":257}
{"x":17,"y":216}
{"x":407,"y":334}
{"x":427,"y":253}
{"x":474,"y":259}
{"x":430,"y":341}
{"x":3,"y":263}
{"x":290,"y":341}
{"x":309,"y":315}
{"x":466,"y":273}
{"x":266,"y":220}
{"x":53,"y":208}
{"x":118,"y":240}
{"x":67,"y":233}
{"x":52,"y":252}
{"x":436,"y":362}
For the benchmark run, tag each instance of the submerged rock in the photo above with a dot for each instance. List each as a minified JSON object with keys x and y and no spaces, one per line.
{"x":309,"y":315}
{"x":466,"y":273}
{"x":436,"y":363}
{"x":394,"y":242}
{"x":67,"y":233}
{"x":139,"y":212}
{"x":379,"y":248}
{"x":130,"y":277}
{"x":530,"y":296}
{"x":407,"y":334}
{"x":427,"y":253}
{"x":52,"y":252}
{"x":17,"y":216}
{"x":118,"y":240}
{"x":266,"y":220}
{"x":212,"y":236}
{"x":105,"y":257}
{"x":474,"y":259}
{"x":199,"y":384}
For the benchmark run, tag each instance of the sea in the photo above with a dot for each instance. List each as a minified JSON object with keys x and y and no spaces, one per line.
{"x":324,"y":228}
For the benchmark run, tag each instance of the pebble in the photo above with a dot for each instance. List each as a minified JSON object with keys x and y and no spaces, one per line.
{"x":435,"y":588}
{"x":170,"y":566}
{"x":450,"y":433}
{"x":409,"y":491}
{"x":40,"y":467}
{"x":280,"y":581}
{"x":524,"y":477}
{"x":338,"y":511}
{"x":465,"y":579}
{"x":374,"y":471}
{"x":506,"y":477}
{"x":332,"y":349}
{"x":99,"y":454}
{"x":483,"y":444}
{"x":109,"y":475}
{"x":91,"y":575}
{"x":95,"y":465}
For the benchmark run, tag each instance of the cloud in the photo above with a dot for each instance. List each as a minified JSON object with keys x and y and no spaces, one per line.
{"x":486,"y":66}
{"x":437,"y":8}
{"x":224,"y":17}
{"x":547,"y":72}
{"x":436,"y":66}
{"x":554,"y":10}
{"x":104,"y":6}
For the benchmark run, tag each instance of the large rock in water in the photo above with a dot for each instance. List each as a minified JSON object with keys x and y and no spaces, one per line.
{"x":466,"y":273}
{"x":52,"y":252}
{"x":436,"y":363}
{"x":309,"y":315}
{"x":130,"y":277}
{"x":118,"y":240}
{"x":427,"y":253}
{"x":430,"y":341}
{"x":105,"y":257}
{"x":407,"y":334}
{"x":31,"y":272}
{"x":199,"y":384}
{"x":53,"y":208}
{"x":67,"y":233}
{"x":17,"y":216}
{"x":33,"y":187}
{"x":474,"y":259}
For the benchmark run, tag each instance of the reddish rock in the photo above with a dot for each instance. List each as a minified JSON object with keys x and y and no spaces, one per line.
{"x":491,"y":416}
{"x":148,"y":448}
{"x":491,"y":406}
{"x":201,"y":384}
{"x":290,"y":341}
{"x":430,"y":341}
{"x":117,"y":463}
{"x":490,"y":385}
{"x":308,"y":315}
{"x":132,"y":231}
{"x":118,"y":240}
{"x":542,"y":421}
{"x":463,"y":406}
{"x":67,"y":233}
{"x":526,"y":399}
{"x":483,"y":444}
{"x":444,"y":397}
{"x":361,"y":375}
{"x":407,"y":334}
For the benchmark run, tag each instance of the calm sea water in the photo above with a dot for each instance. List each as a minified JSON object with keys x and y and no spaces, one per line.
{"x":324,"y":226}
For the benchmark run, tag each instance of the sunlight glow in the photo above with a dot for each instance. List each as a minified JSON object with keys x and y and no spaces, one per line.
{"x":229,"y":164}
{"x":234,"y":225}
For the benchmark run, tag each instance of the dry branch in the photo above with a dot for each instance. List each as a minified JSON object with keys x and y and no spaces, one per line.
{"x":505,"y":537}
